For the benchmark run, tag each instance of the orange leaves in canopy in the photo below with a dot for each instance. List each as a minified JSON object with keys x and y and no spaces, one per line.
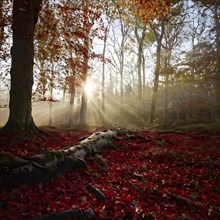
{"x":147,"y":10}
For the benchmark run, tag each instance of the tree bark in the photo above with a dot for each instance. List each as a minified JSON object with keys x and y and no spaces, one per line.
{"x":24,"y":19}
{"x":83,"y":110}
{"x":140,"y":40}
{"x":42,"y":167}
{"x":87,"y":26}
{"x":166,"y":66}
{"x":143,"y":74}
{"x":122,"y":67}
{"x":103,"y":71}
{"x":156,"y":73}
{"x":1,"y":24}
{"x":72,"y":98}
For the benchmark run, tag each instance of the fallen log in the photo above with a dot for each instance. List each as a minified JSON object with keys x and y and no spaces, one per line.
{"x":99,"y":195}
{"x":42,"y":167}
{"x":66,"y":214}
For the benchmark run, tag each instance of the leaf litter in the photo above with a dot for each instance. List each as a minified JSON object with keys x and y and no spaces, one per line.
{"x":151,"y":176}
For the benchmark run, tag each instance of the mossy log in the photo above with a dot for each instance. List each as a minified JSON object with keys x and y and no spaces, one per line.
{"x":42,"y":167}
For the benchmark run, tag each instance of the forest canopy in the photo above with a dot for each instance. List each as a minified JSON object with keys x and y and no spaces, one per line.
{"x":127,"y":61}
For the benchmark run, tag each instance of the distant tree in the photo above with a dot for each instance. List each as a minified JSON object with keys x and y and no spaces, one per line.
{"x":172,"y":40}
{"x":159,"y":33}
{"x":91,"y":11}
{"x":148,"y":12}
{"x":140,"y":40}
{"x":214,"y":7}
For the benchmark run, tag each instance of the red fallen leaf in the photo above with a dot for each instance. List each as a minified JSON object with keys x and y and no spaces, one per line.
{"x":125,"y":198}
{"x":85,"y":206}
{"x":110,"y":193}
{"x":164,"y":191}
{"x":197,"y":203}
{"x":204,"y":197}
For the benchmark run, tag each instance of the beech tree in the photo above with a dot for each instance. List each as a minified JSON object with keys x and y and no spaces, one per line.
{"x":1,"y":24}
{"x":140,"y":41}
{"x":159,"y":33}
{"x":147,"y":12}
{"x":24,"y":19}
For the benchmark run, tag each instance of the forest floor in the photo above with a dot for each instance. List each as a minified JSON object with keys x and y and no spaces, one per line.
{"x":154,"y":175}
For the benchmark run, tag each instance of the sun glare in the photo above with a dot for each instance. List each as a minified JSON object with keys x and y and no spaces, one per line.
{"x":89,"y":88}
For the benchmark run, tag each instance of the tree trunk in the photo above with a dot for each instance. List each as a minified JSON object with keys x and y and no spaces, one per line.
{"x":166,"y":91}
{"x":87,"y":25}
{"x":44,"y":166}
{"x":143,"y":74}
{"x":156,"y":73}
{"x":72,"y":97}
{"x":50,"y":105}
{"x":25,"y":16}
{"x":51,"y":91}
{"x":103,"y":72}
{"x":121,"y":68}
{"x":140,"y":41}
{"x":83,"y":109}
{"x":1,"y":24}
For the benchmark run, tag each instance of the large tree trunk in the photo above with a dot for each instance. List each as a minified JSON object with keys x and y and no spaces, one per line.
{"x":1,"y":24}
{"x":25,"y":15}
{"x":156,"y":73}
{"x":42,"y":167}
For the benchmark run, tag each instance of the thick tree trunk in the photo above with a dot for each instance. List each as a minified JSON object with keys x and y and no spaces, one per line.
{"x":1,"y":24}
{"x":25,"y":15}
{"x":42,"y":167}
{"x":156,"y":73}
